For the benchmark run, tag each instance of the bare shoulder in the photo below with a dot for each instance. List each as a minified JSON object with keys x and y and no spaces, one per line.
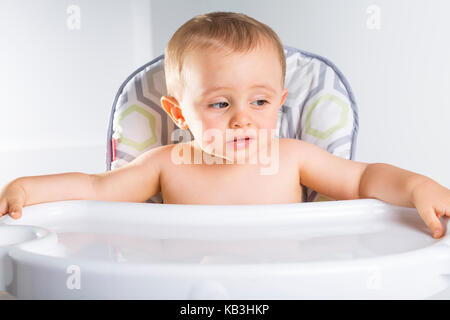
{"x":301,"y":151}
{"x":292,"y":149}
{"x":296,"y":145}
{"x":154,"y":157}
{"x":292,"y":146}
{"x":164,"y":156}
{"x":289,"y":142}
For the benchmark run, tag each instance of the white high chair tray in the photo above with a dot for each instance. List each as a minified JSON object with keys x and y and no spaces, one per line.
{"x":353,"y":249}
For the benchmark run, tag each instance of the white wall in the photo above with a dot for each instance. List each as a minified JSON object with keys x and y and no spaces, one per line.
{"x":400,"y":74}
{"x":57,"y":84}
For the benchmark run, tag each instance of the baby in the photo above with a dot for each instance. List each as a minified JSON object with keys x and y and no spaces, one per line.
{"x":225,"y":80}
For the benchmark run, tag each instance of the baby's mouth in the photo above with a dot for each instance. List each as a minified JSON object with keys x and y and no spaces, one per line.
{"x":240,"y":139}
{"x":240,"y":142}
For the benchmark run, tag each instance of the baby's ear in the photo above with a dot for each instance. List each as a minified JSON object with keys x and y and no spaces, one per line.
{"x":172,"y":107}
{"x":167,"y":103}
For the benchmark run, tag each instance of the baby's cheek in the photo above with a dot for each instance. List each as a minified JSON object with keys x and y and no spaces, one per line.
{"x":273,"y":122}
{"x":209,"y":134}
{"x":212,"y":140}
{"x":196,"y":127}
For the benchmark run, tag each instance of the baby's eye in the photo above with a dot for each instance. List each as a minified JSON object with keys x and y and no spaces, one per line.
{"x":264,"y":101}
{"x":220,"y":105}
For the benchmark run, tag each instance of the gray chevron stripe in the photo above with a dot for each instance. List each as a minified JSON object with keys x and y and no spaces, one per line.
{"x":288,"y":52}
{"x":123,"y":99}
{"x":287,"y":114}
{"x":155,"y":199}
{"x":311,"y":196}
{"x":125,"y":156}
{"x":308,"y":194}
{"x":321,"y":82}
{"x":339,"y":142}
{"x":298,"y":132}
{"x":318,"y":88}
{"x":295,"y":86}
{"x":150,"y":79}
{"x":140,"y":96}
{"x":338,"y":85}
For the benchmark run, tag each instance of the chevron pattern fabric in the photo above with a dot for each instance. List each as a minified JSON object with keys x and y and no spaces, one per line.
{"x":319,"y":109}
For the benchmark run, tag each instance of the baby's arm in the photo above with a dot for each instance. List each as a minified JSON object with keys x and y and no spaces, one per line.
{"x":333,"y":176}
{"x":343,"y":179}
{"x":135,"y":182}
{"x":409,"y":189}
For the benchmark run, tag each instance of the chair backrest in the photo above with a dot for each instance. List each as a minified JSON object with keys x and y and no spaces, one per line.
{"x":320,"y":108}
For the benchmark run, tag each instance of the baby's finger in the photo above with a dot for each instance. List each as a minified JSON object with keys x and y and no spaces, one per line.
{"x":428,"y":215}
{"x":3,"y":207}
{"x":15,"y":209}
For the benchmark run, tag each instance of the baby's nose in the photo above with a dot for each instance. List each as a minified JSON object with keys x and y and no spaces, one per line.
{"x":240,"y":119}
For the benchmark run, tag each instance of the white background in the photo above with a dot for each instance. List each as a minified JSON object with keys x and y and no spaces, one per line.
{"x":57,"y":85}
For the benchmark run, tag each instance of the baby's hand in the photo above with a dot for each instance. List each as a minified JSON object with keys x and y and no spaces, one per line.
{"x":12,"y":199}
{"x":432,"y":201}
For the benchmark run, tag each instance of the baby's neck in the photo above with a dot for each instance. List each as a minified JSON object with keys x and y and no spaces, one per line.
{"x":264,"y":158}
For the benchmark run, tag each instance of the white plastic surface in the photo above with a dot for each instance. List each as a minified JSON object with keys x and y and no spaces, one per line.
{"x":355,"y":249}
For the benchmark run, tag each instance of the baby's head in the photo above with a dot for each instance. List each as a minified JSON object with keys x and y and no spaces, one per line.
{"x":224,"y":74}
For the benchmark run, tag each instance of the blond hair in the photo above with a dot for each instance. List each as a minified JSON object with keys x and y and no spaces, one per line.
{"x":238,"y":32}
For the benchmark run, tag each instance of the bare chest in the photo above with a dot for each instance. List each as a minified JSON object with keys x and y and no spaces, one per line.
{"x":226,"y":184}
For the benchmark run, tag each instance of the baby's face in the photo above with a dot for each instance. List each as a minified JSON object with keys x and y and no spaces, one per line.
{"x":231,"y":95}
